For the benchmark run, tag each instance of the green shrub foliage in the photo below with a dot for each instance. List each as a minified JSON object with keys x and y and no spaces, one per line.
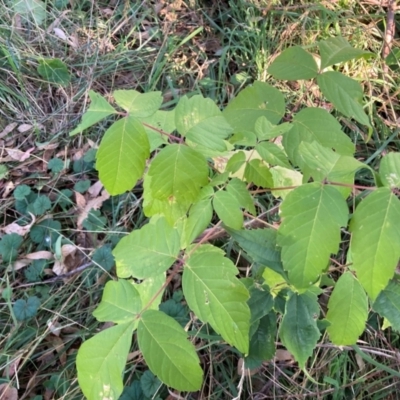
{"x":201,"y":170}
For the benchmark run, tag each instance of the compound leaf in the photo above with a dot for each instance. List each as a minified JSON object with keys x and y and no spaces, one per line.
{"x":138,"y":105}
{"x":216,"y":296}
{"x":120,"y":302}
{"x":312,"y":215}
{"x":292,"y":64}
{"x":121,"y":157}
{"x":347,"y":311}
{"x":98,"y":110}
{"x":228,"y":210}
{"x":167,"y":351}
{"x":177,"y":173}
{"x":259,"y":100}
{"x":147,"y":251}
{"x":387,"y":304}
{"x":345,"y":93}
{"x":298,"y":331}
{"x":101,"y":361}
{"x":375,"y":240}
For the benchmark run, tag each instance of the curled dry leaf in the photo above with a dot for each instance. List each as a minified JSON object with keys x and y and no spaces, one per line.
{"x":28,"y":258}
{"x":68,"y":260}
{"x":95,"y":189}
{"x":93,"y":204}
{"x":8,"y":188}
{"x":19,"y":155}
{"x":18,"y":229}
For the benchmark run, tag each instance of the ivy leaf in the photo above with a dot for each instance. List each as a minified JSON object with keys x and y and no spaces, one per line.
{"x":98,"y":110}
{"x":345,"y":93}
{"x":259,"y":100}
{"x":24,"y":310}
{"x":9,"y":245}
{"x":41,"y":204}
{"x":316,"y":124}
{"x":298,"y":331}
{"x":147,"y":251}
{"x":216,"y":296}
{"x":132,"y":392}
{"x":258,"y":173}
{"x":101,"y":361}
{"x":294,"y":64}
{"x":149,"y":383}
{"x":21,"y":192}
{"x":55,"y":165}
{"x":138,"y":105}
{"x":375,"y":240}
{"x":121,"y":157}
{"x":177,"y":173}
{"x":103,"y":257}
{"x":45,"y":232}
{"x":347,"y":311}
{"x":82,"y":186}
{"x":389,"y":170}
{"x":95,"y":222}
{"x":201,"y":121}
{"x":228,"y":210}
{"x":312,"y":216}
{"x":337,"y":50}
{"x":167,"y":351}
{"x":239,"y":190}
{"x":273,"y":154}
{"x":265,"y":130}
{"x":120,"y":303}
{"x":53,"y":70}
{"x":387,"y":304}
{"x":261,"y":247}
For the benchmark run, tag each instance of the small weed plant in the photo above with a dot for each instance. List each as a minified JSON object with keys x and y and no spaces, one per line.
{"x":202,"y":172}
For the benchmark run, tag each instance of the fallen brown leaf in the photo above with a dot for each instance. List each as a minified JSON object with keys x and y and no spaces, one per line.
{"x":8,"y":392}
{"x":19,"y":155}
{"x":18,"y":229}
{"x":93,"y":204}
{"x":67,"y":262}
{"x":9,"y":128}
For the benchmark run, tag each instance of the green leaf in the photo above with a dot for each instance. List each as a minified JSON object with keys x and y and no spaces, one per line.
{"x":345,"y":94}
{"x":273,"y":154}
{"x":31,"y":9}
{"x":82,"y":186}
{"x":98,"y":110}
{"x":375,"y":240}
{"x":201,"y":121}
{"x":149,"y":383}
{"x":284,"y":177}
{"x":3,"y":171}
{"x":167,"y":351}
{"x":389,"y":170}
{"x":258,"y":173}
{"x":147,"y":251}
{"x":24,"y":310}
{"x":9,"y":245}
{"x":298,"y":331}
{"x":337,"y":50}
{"x":238,"y":189}
{"x":235,"y":162}
{"x":41,"y":204}
{"x":132,"y":392}
{"x":387,"y":304}
{"x":260,"y":302}
{"x":162,"y":121}
{"x":312,"y":216}
{"x":150,"y":291}
{"x":259,"y":100}
{"x":138,"y":105}
{"x":261,"y":247}
{"x":244,"y":138}
{"x":103,"y":257}
{"x":265,"y":130}
{"x":294,"y":64}
{"x":121,"y":157}
{"x":177,"y":173}
{"x":228,"y":210}
{"x":316,"y":124}
{"x":55,"y":165}
{"x":53,"y":70}
{"x":216,"y":296}
{"x":347,"y":311}
{"x":120,"y":303}
{"x":46,"y":231}
{"x":101,"y":362}
{"x":21,"y":192}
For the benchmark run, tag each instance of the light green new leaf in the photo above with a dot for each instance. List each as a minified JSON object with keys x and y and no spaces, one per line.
{"x":284,"y":177}
{"x":298,"y":331}
{"x":387,"y":304}
{"x":147,"y":251}
{"x":312,"y":216}
{"x":121,"y":157}
{"x":120,"y":303}
{"x":177,"y":172}
{"x":273,"y":154}
{"x":316,"y":124}
{"x":239,"y":190}
{"x":201,"y":122}
{"x":216,"y":296}
{"x":389,"y":170}
{"x":337,"y":50}
{"x":345,"y":93}
{"x":138,"y":105}
{"x":168,"y":353}
{"x":228,"y":210}
{"x":375,"y":240}
{"x":101,"y":362}
{"x":265,"y":130}
{"x":294,"y":64}
{"x":235,"y":162}
{"x":162,"y":121}
{"x":258,"y":173}
{"x":98,"y":110}
{"x":347,"y":311}
{"x":259,"y":100}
